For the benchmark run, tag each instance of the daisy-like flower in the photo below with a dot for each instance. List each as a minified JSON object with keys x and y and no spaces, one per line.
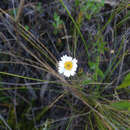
{"x":67,"y":66}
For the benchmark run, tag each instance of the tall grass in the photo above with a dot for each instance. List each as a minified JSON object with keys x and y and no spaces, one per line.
{"x":99,"y":109}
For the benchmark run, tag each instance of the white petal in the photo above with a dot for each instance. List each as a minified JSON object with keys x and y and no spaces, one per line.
{"x":61,"y":70}
{"x":61,"y":64}
{"x":67,"y":73}
{"x":74,"y":67}
{"x":72,"y":73}
{"x":74,"y":61}
{"x":64,"y":57}
{"x":68,"y":58}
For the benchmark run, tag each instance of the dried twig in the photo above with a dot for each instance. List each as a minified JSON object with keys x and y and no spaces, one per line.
{"x":19,"y":10}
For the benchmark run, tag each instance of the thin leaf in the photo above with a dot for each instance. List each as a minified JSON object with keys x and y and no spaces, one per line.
{"x":126,"y":82}
{"x":121,"y":105}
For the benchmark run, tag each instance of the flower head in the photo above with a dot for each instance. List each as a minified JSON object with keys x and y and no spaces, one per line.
{"x":67,"y":66}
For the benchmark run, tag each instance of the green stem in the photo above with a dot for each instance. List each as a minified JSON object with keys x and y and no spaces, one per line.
{"x":77,"y":27}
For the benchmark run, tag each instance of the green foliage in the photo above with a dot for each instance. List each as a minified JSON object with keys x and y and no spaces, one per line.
{"x":94,"y":65}
{"x":57,"y":23}
{"x":1,"y":81}
{"x":121,"y":105}
{"x":87,"y":80}
{"x":91,"y":7}
{"x":13,"y":12}
{"x":77,"y":3}
{"x":39,"y":7}
{"x":124,"y":20}
{"x":99,"y":122}
{"x":27,"y":27}
{"x":98,"y":73}
{"x":126,"y":82}
{"x":100,"y":117}
{"x":12,"y":118}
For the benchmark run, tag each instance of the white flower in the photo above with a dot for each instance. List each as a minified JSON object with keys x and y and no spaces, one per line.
{"x":67,"y":66}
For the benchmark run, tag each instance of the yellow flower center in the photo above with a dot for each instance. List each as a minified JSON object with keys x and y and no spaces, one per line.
{"x":68,"y":65}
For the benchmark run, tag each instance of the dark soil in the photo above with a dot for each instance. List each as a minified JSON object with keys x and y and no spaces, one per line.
{"x":26,"y":104}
